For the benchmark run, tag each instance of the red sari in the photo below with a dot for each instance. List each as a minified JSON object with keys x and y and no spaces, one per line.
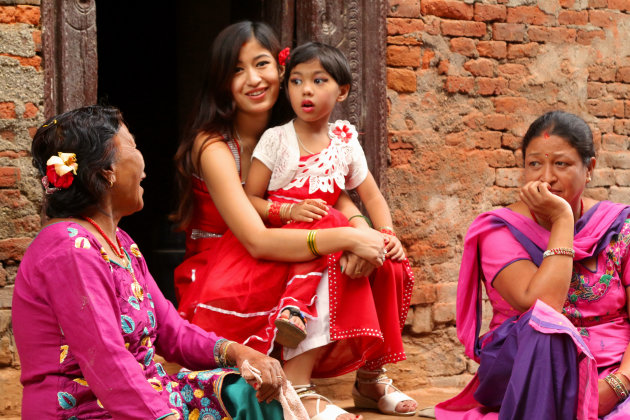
{"x":239,"y":297}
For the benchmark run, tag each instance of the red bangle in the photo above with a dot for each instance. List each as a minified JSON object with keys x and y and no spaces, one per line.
{"x":274,"y":213}
{"x":387,"y":231}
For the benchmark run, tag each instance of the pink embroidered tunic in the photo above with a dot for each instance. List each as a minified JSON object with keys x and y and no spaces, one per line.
{"x":87,"y":334}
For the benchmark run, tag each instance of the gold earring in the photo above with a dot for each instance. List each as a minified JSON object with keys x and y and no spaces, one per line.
{"x":111,"y":183}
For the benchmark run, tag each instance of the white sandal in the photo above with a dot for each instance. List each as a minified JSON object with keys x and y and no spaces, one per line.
{"x":388,"y":402}
{"x":331,"y":412}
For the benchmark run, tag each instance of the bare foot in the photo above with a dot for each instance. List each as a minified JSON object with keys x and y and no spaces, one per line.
{"x":375,"y":390}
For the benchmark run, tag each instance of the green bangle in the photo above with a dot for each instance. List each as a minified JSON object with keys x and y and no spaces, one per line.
{"x":367,"y":220}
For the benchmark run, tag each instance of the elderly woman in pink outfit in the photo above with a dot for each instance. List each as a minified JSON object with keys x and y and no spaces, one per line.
{"x":556,"y":268}
{"x":88,"y":318}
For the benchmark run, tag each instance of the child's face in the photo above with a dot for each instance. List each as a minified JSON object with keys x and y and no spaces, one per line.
{"x":256,"y":81}
{"x":313,"y":92}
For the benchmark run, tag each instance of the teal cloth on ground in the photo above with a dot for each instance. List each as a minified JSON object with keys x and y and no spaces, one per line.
{"x":240,"y":401}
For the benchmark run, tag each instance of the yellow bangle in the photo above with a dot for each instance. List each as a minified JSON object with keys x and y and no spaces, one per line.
{"x":310,"y":241}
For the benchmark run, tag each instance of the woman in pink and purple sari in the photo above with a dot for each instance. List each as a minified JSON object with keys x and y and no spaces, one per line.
{"x":556,"y":269}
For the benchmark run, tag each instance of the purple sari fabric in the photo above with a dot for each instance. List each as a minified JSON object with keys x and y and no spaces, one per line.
{"x":594,"y":232}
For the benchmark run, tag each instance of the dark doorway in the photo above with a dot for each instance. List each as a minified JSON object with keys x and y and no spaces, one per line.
{"x":150,"y":62}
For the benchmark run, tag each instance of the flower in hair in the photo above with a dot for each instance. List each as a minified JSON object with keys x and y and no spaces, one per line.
{"x":61,"y":169}
{"x":283,"y":56}
{"x":343,"y":130}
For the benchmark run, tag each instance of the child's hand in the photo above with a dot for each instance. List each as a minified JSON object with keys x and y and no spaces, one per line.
{"x":394,"y":248}
{"x":309,"y":210}
{"x":354,"y":266}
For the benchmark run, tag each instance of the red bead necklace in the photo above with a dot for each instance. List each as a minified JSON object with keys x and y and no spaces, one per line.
{"x":581,"y":211}
{"x":117,"y":249}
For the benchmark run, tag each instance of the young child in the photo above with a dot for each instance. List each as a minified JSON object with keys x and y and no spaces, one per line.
{"x":302,"y":167}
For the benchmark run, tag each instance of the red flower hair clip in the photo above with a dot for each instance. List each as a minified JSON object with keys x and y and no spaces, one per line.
{"x":283,"y":56}
{"x":60,"y":171}
{"x":343,"y":130}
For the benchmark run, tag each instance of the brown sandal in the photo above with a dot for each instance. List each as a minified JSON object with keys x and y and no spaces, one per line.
{"x":290,"y":335}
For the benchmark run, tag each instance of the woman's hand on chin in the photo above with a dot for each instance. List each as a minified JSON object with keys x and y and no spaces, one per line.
{"x":271,"y":372}
{"x":547,"y":206}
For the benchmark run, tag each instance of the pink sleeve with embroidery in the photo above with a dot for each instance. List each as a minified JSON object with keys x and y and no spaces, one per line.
{"x":624,"y":235}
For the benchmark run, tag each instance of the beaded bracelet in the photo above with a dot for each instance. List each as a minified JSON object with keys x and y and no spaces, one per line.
{"x":310,"y":241}
{"x":367,"y":220}
{"x":387,"y":230}
{"x":559,"y":251}
{"x":617,"y":386}
{"x":217,"y":350}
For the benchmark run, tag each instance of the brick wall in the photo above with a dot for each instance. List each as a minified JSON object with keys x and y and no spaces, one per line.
{"x":21,"y":111}
{"x":465,"y":79}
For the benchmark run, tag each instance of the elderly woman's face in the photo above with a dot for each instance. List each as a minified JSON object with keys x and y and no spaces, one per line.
{"x":129,"y":172}
{"x":552,"y":159}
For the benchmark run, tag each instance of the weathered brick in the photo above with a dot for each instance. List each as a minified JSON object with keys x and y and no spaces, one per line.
{"x":522,"y":50}
{"x":401,"y":80}
{"x":605,"y":125}
{"x":7,"y":110}
{"x":602,"y":178}
{"x":28,"y":14}
{"x":597,"y":4}
{"x":510,"y":141}
{"x":616,"y":160}
{"x":490,"y":12}
{"x":567,"y":4}
{"x":463,"y":28}
{"x":7,"y":135}
{"x":403,"y":56}
{"x":30,"y":110}
{"x":402,"y":26}
{"x":404,"y":8}
{"x":622,"y":177}
{"x":603,"y":18}
{"x":463,"y":46}
{"x":410,"y":39}
{"x":554,"y":35}
{"x":500,"y":158}
{"x":529,"y":14}
{"x":27,"y":225}
{"x":605,"y":108}
{"x":443,"y":313}
{"x":512,"y":70}
{"x":443,"y":67}
{"x":572,"y":17}
{"x":619,"y":140}
{"x":491,"y":86}
{"x":498,"y":122}
{"x":481,"y":67}
{"x":595,"y":89}
{"x":11,"y":198}
{"x":37,"y":40}
{"x":586,"y":37}
{"x":34,"y":61}
{"x":9,"y":177}
{"x":449,"y":9}
{"x":423,"y":293}
{"x":13,"y":248}
{"x":623,"y":5}
{"x":623,"y":74}
{"x":421,"y":321}
{"x":601,"y":73}
{"x":512,"y":32}
{"x":487,"y":139}
{"x":618,"y":90}
{"x":7,"y":14}
{"x":459,"y":84}
{"x":510,"y":104}
{"x":509,"y":177}
{"x":427,"y":59}
{"x":619,"y":194}
{"x":492,"y":49}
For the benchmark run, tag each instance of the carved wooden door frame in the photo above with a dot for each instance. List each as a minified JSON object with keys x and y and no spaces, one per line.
{"x":70,"y":56}
{"x":359,"y":29}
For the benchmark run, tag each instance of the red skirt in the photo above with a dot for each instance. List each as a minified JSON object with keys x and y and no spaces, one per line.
{"x":239,"y":297}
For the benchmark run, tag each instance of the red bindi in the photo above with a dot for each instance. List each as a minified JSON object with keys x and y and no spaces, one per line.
{"x":546,"y":134}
